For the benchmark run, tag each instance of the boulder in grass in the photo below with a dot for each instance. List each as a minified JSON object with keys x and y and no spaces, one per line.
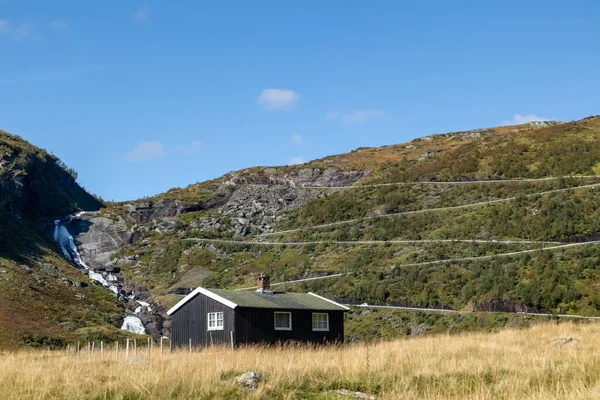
{"x":249,"y":380}
{"x":355,"y":395}
{"x":566,"y":342}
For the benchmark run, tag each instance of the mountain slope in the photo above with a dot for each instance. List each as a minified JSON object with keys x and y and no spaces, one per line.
{"x":206,"y":233}
{"x":466,"y":220}
{"x":44,"y":300}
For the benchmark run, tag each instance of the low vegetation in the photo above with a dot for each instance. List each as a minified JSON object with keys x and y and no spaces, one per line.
{"x":44,"y":300}
{"x":543,"y":362}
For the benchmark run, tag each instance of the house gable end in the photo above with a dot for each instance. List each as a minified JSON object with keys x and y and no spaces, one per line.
{"x":206,"y":293}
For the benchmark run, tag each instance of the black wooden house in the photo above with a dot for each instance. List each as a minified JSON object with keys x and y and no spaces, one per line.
{"x":213,"y":316}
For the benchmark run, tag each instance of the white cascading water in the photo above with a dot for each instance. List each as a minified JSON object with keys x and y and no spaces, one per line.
{"x":67,"y":245}
{"x":133,"y":324}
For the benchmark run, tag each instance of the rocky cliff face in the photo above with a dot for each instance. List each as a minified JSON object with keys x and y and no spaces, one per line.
{"x":307,"y":177}
{"x":98,"y":237}
{"x":242,"y":204}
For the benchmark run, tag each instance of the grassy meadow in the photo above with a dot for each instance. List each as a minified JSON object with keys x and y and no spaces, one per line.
{"x":546,"y":361}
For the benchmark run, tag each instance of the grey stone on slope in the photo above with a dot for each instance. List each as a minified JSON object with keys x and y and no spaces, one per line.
{"x":249,"y":380}
{"x":254,"y":208}
{"x":328,"y":177}
{"x":142,"y":212}
{"x":98,"y":237}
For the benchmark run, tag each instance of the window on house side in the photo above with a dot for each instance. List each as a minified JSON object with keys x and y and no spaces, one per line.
{"x":320,"y":322}
{"x":283,"y":321}
{"x":215,"y":321}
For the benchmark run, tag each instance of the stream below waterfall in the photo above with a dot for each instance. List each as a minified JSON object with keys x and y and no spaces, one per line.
{"x":110,"y":280}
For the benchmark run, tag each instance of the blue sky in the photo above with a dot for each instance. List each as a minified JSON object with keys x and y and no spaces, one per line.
{"x":140,"y":97}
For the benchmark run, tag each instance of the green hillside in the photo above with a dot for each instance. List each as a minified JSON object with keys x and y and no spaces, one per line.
{"x":44,"y":300}
{"x":388,"y":201}
{"x":500,"y":219}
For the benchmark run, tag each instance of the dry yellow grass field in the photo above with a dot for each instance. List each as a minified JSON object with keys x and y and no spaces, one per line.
{"x":512,"y":364}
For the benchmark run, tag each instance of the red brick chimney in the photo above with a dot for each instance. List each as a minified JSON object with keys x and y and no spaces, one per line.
{"x":263,"y":282}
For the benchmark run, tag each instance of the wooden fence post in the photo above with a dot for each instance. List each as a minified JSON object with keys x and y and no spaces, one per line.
{"x":149,"y":349}
{"x":117,"y":351}
{"x":190,"y":345}
{"x":135,"y":347}
{"x":127,"y":351}
{"x":78,"y":349}
{"x":89,"y":352}
{"x":231,"y":340}
{"x":102,"y":350}
{"x":161,"y":346}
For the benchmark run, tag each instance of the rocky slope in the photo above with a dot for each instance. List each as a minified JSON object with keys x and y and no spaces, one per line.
{"x":204,"y":234}
{"x":44,"y":299}
{"x":365,"y":215}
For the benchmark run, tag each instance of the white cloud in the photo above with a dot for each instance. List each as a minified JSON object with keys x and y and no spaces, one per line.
{"x":5,"y":26}
{"x":190,"y":148}
{"x":354,"y":117}
{"x":297,"y":140}
{"x":296,"y":160}
{"x":277,"y":99}
{"x":519,"y":119}
{"x":332,"y":115}
{"x":59,"y":24}
{"x":20,"y":32}
{"x":146,"y":151}
{"x":142,"y":14}
{"x":26,"y":31}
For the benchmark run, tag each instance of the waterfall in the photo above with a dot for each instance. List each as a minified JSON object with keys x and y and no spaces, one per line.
{"x":110,"y":281}
{"x":67,"y":244}
{"x":133,"y":324}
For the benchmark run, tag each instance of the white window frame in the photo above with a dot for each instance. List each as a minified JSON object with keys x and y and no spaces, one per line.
{"x":289,"y":314}
{"x":216,"y":319}
{"x":326,"y":329}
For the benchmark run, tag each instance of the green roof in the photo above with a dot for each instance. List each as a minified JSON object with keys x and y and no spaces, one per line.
{"x":278,"y":300}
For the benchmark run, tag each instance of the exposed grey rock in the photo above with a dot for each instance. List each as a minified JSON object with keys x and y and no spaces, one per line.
{"x":41,"y":280}
{"x":26,"y":267}
{"x":566,"y":342}
{"x":355,"y":395}
{"x":70,"y":325}
{"x":544,"y":124}
{"x":430,"y":153}
{"x":68,"y":281}
{"x":98,"y":237}
{"x":329,"y":177}
{"x":249,"y":380}
{"x":50,"y":270}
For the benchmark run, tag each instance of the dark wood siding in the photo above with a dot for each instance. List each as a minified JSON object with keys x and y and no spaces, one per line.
{"x":256,"y":325}
{"x":191,"y":320}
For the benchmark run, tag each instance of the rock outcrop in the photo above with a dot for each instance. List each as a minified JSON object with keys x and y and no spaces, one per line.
{"x":99,"y":237}
{"x":308,"y":177}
